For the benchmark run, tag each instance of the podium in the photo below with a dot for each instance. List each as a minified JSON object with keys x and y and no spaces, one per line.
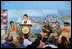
{"x":25,"y":25}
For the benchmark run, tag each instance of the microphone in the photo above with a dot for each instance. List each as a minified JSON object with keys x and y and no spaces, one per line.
{"x":25,"y":22}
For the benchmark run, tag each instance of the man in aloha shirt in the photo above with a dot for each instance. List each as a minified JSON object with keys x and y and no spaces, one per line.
{"x":65,"y":31}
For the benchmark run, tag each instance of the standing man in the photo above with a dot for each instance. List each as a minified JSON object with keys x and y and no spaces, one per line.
{"x":26,"y":21}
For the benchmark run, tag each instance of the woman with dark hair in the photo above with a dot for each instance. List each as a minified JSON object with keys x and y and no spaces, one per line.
{"x":13,"y":31}
{"x":26,"y":20}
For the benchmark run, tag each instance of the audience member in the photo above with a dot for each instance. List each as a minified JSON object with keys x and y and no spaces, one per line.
{"x":51,"y":43}
{"x":36,"y":43}
{"x":11,"y":45}
{"x":6,"y":43}
{"x":21,"y":40}
{"x":45,"y":40}
{"x":41,"y":43}
{"x":64,"y":43}
{"x":26,"y":41}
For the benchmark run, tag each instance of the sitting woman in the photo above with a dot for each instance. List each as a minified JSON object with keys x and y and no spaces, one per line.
{"x":13,"y":31}
{"x":47,"y":28}
{"x":56,"y":30}
{"x":65,"y":31}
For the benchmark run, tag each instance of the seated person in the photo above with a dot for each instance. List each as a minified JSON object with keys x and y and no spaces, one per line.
{"x":56,"y":30}
{"x":6,"y":43}
{"x":21,"y":40}
{"x":47,"y":28}
{"x":13,"y":31}
{"x":11,"y":45}
{"x":35,"y":44}
{"x":51,"y":42}
{"x":64,"y":43}
{"x":26,"y":41}
{"x":41,"y":43}
{"x":65,"y":31}
{"x":45,"y":40}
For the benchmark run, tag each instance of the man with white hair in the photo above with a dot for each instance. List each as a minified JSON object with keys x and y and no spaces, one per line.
{"x":65,"y":31}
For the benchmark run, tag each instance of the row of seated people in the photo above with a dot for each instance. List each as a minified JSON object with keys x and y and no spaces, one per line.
{"x":37,"y":43}
{"x":48,"y":30}
{"x":56,"y":31}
